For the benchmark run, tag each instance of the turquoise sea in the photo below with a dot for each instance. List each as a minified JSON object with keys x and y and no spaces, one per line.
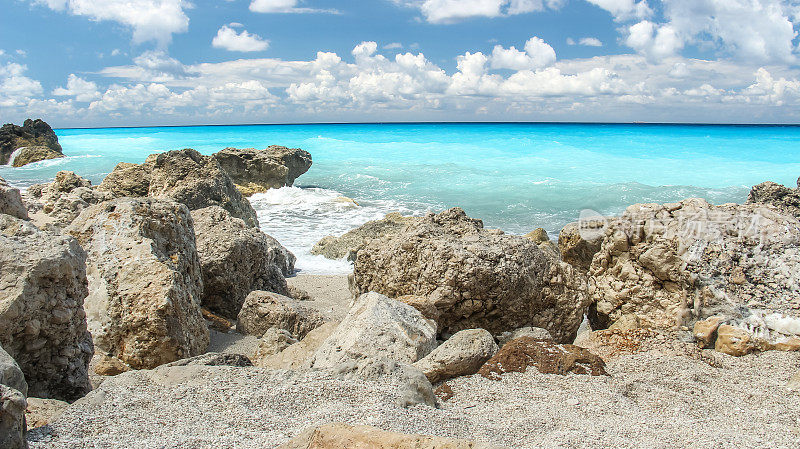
{"x":515,"y":177}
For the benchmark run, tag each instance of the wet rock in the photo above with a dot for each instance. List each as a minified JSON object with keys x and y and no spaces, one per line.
{"x":31,"y":154}
{"x":461,"y":355}
{"x":144,"y":281}
{"x":32,"y":133}
{"x":547,"y":357}
{"x":256,"y":171}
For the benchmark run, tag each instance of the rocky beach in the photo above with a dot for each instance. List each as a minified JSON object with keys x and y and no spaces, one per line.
{"x":151,"y":310}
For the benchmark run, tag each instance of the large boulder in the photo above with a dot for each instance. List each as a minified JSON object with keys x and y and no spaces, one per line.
{"x":578,"y":248}
{"x":298,"y":355}
{"x":476,"y":278}
{"x":185,"y":176}
{"x":546,"y":356}
{"x":462,"y":354}
{"x":377,"y":327}
{"x":32,"y":133}
{"x":42,"y":321}
{"x":784,"y":198}
{"x":28,"y":155}
{"x":144,"y":280}
{"x":236,"y":260}
{"x":54,"y":205}
{"x":347,"y":244}
{"x":675,"y":263}
{"x":11,"y":201}
{"x":264,"y":310}
{"x":340,"y":435}
{"x":256,"y":171}
{"x":10,"y":373}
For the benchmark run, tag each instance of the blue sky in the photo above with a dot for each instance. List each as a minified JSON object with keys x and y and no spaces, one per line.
{"x":173,"y":62}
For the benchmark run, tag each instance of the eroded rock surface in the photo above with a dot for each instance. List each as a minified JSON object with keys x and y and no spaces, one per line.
{"x":462,"y":354}
{"x":546,"y":356}
{"x":11,"y":201}
{"x":55,"y":205}
{"x":144,"y":280}
{"x":264,"y":310}
{"x":256,"y":171}
{"x":347,"y":244}
{"x":32,"y":133}
{"x":784,"y":198}
{"x":42,"y":320}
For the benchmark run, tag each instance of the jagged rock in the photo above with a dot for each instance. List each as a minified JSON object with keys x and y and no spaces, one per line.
{"x":41,"y":412}
{"x":236,"y":260}
{"x":32,"y":133}
{"x":347,"y":244}
{"x":28,"y":155}
{"x":533,"y":332}
{"x":214,"y":359}
{"x":12,"y":418}
{"x":256,"y":171}
{"x":462,"y":354}
{"x":144,"y":280}
{"x":784,"y":198}
{"x":263,"y":310}
{"x":675,"y":263}
{"x":11,"y":201}
{"x":476,"y":278}
{"x":539,"y":236}
{"x":577,"y":250}
{"x":42,"y":321}
{"x":185,"y":176}
{"x":10,"y":373}
{"x":55,"y":205}
{"x":734,"y":341}
{"x":299,"y":355}
{"x":705,"y":331}
{"x":340,"y":435}
{"x":546,"y":356}
{"x":377,"y":327}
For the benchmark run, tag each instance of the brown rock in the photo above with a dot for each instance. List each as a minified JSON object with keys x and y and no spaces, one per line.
{"x":734,"y":341}
{"x":575,"y":249}
{"x":256,"y":171}
{"x":41,"y":412}
{"x":705,"y":331}
{"x":546,"y":356}
{"x":32,"y":133}
{"x":110,"y":366}
{"x":29,"y":155}
{"x":216,"y":322}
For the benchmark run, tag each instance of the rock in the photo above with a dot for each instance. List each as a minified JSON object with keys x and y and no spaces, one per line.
{"x":10,"y":373}
{"x":216,"y":322}
{"x":12,"y":418}
{"x":673,"y":264}
{"x":184,"y":176}
{"x":11,"y":201}
{"x":534,"y":332}
{"x":340,"y":435}
{"x":784,"y":198}
{"x":379,"y":328}
{"x":734,"y":341}
{"x":424,"y":305}
{"x":274,"y":341}
{"x":237,"y":259}
{"x":144,"y":281}
{"x":32,"y":133}
{"x":705,"y":331}
{"x":610,"y":344}
{"x":299,"y":355}
{"x":110,"y":366}
{"x":55,"y":205}
{"x":42,"y":321}
{"x":298,"y":294}
{"x":29,"y":155}
{"x":546,"y":356}
{"x":476,"y":278}
{"x":462,"y":354}
{"x":264,"y":310}
{"x":256,"y":171}
{"x":213,"y":359}
{"x":577,"y":250}
{"x":41,"y":412}
{"x":627,"y":322}
{"x":414,"y":386}
{"x":794,"y":382}
{"x":347,"y":244}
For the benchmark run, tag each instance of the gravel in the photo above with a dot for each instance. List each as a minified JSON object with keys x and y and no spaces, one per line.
{"x":650,"y":400}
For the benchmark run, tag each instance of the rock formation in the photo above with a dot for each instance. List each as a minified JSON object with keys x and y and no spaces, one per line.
{"x":11,"y":201}
{"x":264,"y":310}
{"x":256,"y":171}
{"x":577,"y":250}
{"x":340,"y":435}
{"x":546,"y":356}
{"x":462,"y":354}
{"x":36,"y":136}
{"x":54,"y":205}
{"x":298,"y":355}
{"x":236,"y":260}
{"x":144,"y":280}
{"x":42,"y":321}
{"x":347,"y":244}
{"x":476,"y":278}
{"x":784,"y":198}
{"x":184,"y":176}
{"x":13,"y":392}
{"x":675,"y":263}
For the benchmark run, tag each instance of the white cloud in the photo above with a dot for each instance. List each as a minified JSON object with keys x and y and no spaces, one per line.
{"x":228,"y":39}
{"x":449,"y":11}
{"x":538,"y":54}
{"x":285,"y":6}
{"x":79,"y":88}
{"x":590,"y":42}
{"x":151,"y":20}
{"x":654,"y":41}
{"x":16,"y":88}
{"x":393,"y":46}
{"x":624,"y":9}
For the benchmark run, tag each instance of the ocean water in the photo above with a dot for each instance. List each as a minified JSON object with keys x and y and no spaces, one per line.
{"x":515,"y":177}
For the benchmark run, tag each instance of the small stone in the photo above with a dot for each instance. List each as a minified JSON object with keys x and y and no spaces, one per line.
{"x":734,"y":341}
{"x":705,"y":331}
{"x":110,"y":366}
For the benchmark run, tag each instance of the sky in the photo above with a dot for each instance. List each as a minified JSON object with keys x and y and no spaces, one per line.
{"x":93,"y":63}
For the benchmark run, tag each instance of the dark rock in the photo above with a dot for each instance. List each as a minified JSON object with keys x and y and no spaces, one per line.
{"x":215,"y":359}
{"x":32,"y":133}
{"x":784,"y":198}
{"x":546,"y":356}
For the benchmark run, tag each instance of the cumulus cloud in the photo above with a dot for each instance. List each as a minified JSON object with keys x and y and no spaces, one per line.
{"x":538,"y":54}
{"x":78,"y":88}
{"x":654,"y":41}
{"x":16,"y":88}
{"x":284,"y":7}
{"x":151,"y":20}
{"x":449,"y":11}
{"x":624,"y":9}
{"x":228,"y":39}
